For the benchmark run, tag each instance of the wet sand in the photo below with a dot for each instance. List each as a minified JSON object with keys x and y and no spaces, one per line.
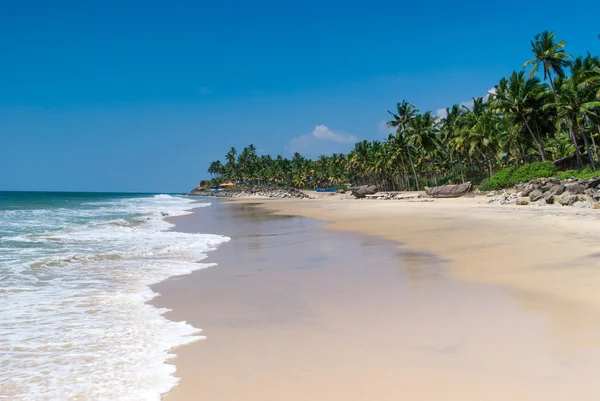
{"x":297,"y":311}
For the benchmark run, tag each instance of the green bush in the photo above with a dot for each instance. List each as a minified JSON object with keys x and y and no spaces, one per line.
{"x":585,"y":174}
{"x":485,"y":185}
{"x":533,"y":170}
{"x":502,"y":178}
{"x":512,"y":175}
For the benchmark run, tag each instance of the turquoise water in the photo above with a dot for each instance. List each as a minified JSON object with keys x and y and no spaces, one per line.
{"x":75,"y":270}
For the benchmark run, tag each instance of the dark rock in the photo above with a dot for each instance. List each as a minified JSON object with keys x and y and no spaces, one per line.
{"x":528,"y":189}
{"x":557,"y":189}
{"x":535,"y":195}
{"x":594,"y":183}
{"x":575,"y":188}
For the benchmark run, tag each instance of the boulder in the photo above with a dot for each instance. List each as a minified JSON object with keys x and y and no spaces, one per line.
{"x":523,"y":201}
{"x":557,"y":189}
{"x":594,"y":183}
{"x":535,"y":195}
{"x":575,"y":188}
{"x":582,"y":205}
{"x":549,"y":197}
{"x":527,"y":189}
{"x":565,"y":199}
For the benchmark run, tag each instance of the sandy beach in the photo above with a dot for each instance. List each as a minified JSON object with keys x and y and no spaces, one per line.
{"x":387,"y":300}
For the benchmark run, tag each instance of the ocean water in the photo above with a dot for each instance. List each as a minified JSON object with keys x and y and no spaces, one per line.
{"x":75,"y":270}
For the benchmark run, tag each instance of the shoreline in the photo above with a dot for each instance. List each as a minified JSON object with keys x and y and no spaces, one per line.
{"x":245,"y":322}
{"x":524,"y":248}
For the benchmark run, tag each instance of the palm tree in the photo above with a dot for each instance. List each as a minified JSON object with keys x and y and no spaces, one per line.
{"x":550,"y":55}
{"x":517,"y":96}
{"x":215,"y":168}
{"x":405,"y":113}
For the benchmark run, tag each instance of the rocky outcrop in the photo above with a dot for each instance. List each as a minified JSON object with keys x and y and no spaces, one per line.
{"x":269,"y":192}
{"x":551,"y":191}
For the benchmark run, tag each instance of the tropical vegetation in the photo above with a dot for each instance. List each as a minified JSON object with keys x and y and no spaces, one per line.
{"x":548,"y":110}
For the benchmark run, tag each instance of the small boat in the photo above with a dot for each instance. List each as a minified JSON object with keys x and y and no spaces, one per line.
{"x":326,"y":190}
{"x":449,"y":191}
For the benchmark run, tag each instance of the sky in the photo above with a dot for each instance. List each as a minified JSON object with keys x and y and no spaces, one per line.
{"x":140,"y":96}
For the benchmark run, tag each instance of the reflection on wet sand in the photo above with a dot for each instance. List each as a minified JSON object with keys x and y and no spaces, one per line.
{"x":295,"y":312}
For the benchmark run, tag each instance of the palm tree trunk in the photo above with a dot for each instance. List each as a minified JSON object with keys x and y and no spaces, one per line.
{"x":535,"y":139}
{"x":588,"y":150}
{"x":594,"y":144}
{"x":412,"y":165}
{"x":574,"y":139}
{"x":460,"y":167}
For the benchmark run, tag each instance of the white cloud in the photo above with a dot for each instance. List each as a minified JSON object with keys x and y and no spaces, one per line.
{"x":324,"y":133}
{"x":441,"y":113}
{"x":321,"y":140}
{"x":203,"y":91}
{"x":489,"y":93}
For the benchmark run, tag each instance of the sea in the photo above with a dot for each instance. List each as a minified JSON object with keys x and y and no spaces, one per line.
{"x":75,"y":276}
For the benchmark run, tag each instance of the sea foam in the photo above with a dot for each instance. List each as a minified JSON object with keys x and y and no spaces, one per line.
{"x":74,"y":287}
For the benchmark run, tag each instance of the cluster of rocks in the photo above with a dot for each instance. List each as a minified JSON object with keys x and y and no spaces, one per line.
{"x":269,"y":192}
{"x":551,"y":191}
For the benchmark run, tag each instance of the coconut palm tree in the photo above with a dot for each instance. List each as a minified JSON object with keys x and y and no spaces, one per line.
{"x":519,"y":97}
{"x":548,"y":54}
{"x":401,"y":119}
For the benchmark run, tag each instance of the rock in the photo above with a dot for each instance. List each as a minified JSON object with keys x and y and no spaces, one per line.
{"x":575,"y":188}
{"x":553,"y":180}
{"x":490,"y":194}
{"x":557,"y":189}
{"x":541,"y":202}
{"x":566,"y":199}
{"x":582,"y":205}
{"x":270,"y":192}
{"x":535,"y":195}
{"x":523,"y":201}
{"x":596,"y":206}
{"x":527,"y":190}
{"x":593,"y":183}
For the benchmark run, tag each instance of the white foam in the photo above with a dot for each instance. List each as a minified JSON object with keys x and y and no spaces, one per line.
{"x":75,"y":322}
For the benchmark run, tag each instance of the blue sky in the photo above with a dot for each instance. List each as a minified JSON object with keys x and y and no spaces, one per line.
{"x":141,"y":96}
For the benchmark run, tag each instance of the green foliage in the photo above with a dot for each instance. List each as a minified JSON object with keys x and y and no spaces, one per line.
{"x":499,"y":180}
{"x":585,"y":174}
{"x":533,"y":170}
{"x":512,"y":175}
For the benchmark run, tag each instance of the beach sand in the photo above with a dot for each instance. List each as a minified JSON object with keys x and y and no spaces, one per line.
{"x":480,"y":303}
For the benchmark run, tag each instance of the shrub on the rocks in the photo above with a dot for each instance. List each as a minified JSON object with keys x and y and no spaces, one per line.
{"x":512,"y":175}
{"x":584,"y":174}
{"x":532,"y":170}
{"x":499,"y":180}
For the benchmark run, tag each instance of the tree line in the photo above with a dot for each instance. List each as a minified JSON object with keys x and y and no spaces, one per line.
{"x":549,"y":109}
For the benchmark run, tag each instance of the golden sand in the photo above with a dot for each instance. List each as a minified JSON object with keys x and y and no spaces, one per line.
{"x":296,"y":312}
